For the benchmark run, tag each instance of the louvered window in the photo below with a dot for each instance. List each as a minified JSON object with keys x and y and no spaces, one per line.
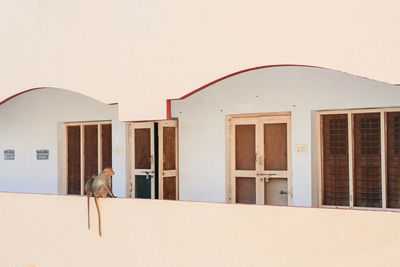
{"x":88,"y":152}
{"x":336,"y":160}
{"x":393,"y":159}
{"x":360,"y":158}
{"x":367,"y":160}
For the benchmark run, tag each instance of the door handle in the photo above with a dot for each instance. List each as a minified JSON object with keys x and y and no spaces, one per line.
{"x":283,"y":192}
{"x":267,"y":176}
{"x":148,"y":174}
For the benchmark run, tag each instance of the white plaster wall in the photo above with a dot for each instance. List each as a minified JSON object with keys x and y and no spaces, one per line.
{"x":142,"y":232}
{"x":33,"y":121}
{"x":163,"y":49}
{"x":298,"y":90}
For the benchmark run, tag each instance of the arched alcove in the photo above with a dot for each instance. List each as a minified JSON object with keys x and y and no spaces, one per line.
{"x":34,"y":143}
{"x":302,"y":92}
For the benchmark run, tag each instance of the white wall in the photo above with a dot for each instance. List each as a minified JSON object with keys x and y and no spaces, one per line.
{"x":34,"y":121}
{"x":141,"y":232}
{"x":139,"y":53}
{"x":298,"y":90}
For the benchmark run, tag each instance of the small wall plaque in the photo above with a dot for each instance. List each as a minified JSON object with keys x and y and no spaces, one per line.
{"x":42,"y":154}
{"x":9,"y":154}
{"x":301,"y":149}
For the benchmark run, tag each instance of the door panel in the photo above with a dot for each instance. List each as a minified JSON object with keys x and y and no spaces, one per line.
{"x":169,"y":148}
{"x":143,"y":148}
{"x":277,"y":160}
{"x":244,"y":170}
{"x":245,"y":190}
{"x":169,"y":188}
{"x":142,"y":151}
{"x":168,"y":163}
{"x":142,"y":186}
{"x":245,"y":147}
{"x":275,"y":146}
{"x":260,"y":160}
{"x":276,"y":192}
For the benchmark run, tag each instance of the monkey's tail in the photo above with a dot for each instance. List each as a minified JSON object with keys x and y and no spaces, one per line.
{"x":88,"y":210}
{"x":98,"y":212}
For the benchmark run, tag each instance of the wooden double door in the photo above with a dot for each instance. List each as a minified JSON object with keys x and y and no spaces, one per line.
{"x":260,"y":171}
{"x":154,"y":159}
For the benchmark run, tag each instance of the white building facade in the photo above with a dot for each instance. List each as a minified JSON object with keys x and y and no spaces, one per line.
{"x":289,"y":135}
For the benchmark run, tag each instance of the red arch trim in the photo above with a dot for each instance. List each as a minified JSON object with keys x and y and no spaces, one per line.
{"x":168,"y":102}
{"x":20,"y":93}
{"x":29,"y":90}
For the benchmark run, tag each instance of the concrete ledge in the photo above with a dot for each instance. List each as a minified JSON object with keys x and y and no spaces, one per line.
{"x":50,"y":230}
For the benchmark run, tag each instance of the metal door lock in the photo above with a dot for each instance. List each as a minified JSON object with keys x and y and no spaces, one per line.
{"x":266,"y":177}
{"x":148,"y":174}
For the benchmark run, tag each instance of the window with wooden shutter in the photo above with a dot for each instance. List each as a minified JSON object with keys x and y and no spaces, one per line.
{"x":89,"y":151}
{"x":393,"y":159}
{"x":360,"y":158}
{"x":106,"y":146}
{"x":367,"y":160}
{"x":335,"y":160}
{"x":74,"y":159}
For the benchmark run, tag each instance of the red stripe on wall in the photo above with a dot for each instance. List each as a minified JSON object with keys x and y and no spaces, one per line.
{"x":38,"y":88}
{"x":20,"y":93}
{"x":256,"y":68}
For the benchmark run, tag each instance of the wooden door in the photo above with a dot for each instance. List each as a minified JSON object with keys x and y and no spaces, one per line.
{"x":276,"y":160}
{"x":260,"y":160}
{"x":142,"y":155}
{"x":244,"y":173}
{"x":168,"y":159}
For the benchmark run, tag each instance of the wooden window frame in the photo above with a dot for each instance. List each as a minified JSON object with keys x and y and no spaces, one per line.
{"x":82,"y":144}
{"x":383,"y":134}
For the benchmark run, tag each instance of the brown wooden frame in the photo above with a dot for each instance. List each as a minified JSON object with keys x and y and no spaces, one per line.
{"x":99,"y":150}
{"x":167,"y":173}
{"x":133,"y":171}
{"x":383,"y":128}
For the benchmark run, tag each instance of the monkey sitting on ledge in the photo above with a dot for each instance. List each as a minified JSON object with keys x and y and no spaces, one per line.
{"x":99,"y":186}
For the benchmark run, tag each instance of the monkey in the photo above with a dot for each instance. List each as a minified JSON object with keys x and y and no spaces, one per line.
{"x":101,"y":186}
